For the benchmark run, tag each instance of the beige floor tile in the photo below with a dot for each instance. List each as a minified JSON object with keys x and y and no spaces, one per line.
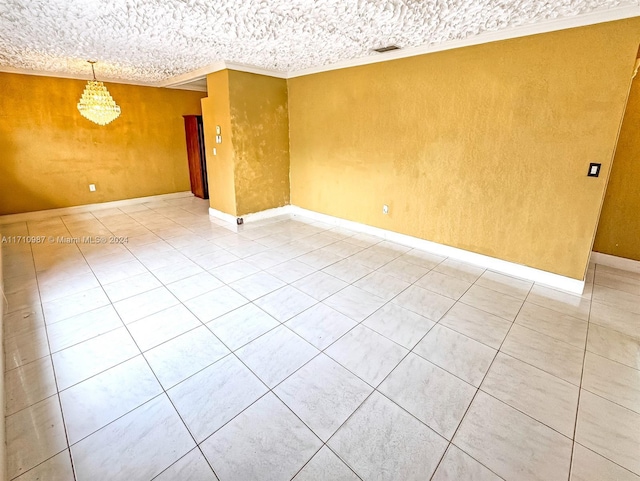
{"x":34,"y":435}
{"x":477,"y":324}
{"x":276,"y":355}
{"x":461,"y":270}
{"x":323,"y":395}
{"x":326,"y":466}
{"x":398,"y":324}
{"x":155,"y":329}
{"x":431,"y":394}
{"x":355,"y":303}
{"x":191,"y":467}
{"x":426,"y":303}
{"x":183,"y":356}
{"x":29,"y":384}
{"x":559,"y":326}
{"x":79,"y":362}
{"x":320,"y":325}
{"x":367,"y":354}
{"x":614,"y":345}
{"x":443,"y":284}
{"x":381,"y":442}
{"x":382,"y":285}
{"x":459,"y":466}
{"x":145,"y":304}
{"x":544,"y":352}
{"x":57,"y":468}
{"x":610,"y":430}
{"x":544,"y":397}
{"x":590,"y":466}
{"x":511,"y":444}
{"x":82,"y":327}
{"x":559,"y":301}
{"x":616,"y":298}
{"x":132,"y":286}
{"x":512,"y":286}
{"x":139,"y":445}
{"x":617,"y":319}
{"x":266,"y":442}
{"x":212,"y":397}
{"x":460,"y":355}
{"x":493,"y":302}
{"x":66,"y":307}
{"x":612,"y":380}
{"x":101,"y":399}
{"x":25,"y":348}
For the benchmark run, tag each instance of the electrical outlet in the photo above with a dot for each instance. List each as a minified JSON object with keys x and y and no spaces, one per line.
{"x":92,"y":187}
{"x":385,"y":209}
{"x":215,"y":152}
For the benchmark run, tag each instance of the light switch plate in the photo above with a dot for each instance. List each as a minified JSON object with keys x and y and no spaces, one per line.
{"x":594,"y":170}
{"x":92,"y":187}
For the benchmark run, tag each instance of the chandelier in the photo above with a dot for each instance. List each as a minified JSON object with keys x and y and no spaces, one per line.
{"x":96,"y":103}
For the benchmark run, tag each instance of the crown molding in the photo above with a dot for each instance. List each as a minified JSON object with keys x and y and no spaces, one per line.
{"x":182,"y":81}
{"x":506,"y":34}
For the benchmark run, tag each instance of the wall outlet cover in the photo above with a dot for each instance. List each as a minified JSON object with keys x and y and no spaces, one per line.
{"x":594,"y":170}
{"x":385,"y":209}
{"x":92,"y":187}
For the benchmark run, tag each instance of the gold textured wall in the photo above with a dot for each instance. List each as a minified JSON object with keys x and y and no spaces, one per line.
{"x":216,"y":111}
{"x":485,"y":148}
{"x":619,"y":228}
{"x":250,"y":172}
{"x":49,"y":154}
{"x":260,"y":118}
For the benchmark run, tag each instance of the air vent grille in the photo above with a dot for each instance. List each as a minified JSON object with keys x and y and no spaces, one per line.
{"x":388,"y":48}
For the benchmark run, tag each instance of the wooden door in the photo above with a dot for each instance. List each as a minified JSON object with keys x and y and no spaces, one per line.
{"x":195,"y":155}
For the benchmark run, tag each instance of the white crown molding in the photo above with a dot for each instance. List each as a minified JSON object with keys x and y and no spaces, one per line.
{"x":615,"y":261}
{"x":79,"y":209}
{"x":41,"y":73}
{"x":515,"y":32}
{"x":182,"y":81}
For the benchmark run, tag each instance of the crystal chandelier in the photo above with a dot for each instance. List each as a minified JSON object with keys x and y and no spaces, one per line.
{"x":96,"y":103}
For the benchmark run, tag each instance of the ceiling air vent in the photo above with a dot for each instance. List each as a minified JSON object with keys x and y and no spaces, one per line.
{"x":388,"y":48}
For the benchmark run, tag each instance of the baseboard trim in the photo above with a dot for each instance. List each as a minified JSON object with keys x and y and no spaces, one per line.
{"x":223,"y":216}
{"x":615,"y":261}
{"x":550,"y":279}
{"x":79,"y":209}
{"x":557,"y":281}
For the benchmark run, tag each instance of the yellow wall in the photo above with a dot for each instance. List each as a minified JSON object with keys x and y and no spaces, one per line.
{"x":619,"y":227}
{"x":260,"y":118}
{"x":250,"y":172}
{"x":484,"y":148}
{"x":220,"y":168}
{"x":49,"y":154}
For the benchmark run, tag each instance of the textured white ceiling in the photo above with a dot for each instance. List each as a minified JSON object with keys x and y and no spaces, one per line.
{"x":148,"y":41}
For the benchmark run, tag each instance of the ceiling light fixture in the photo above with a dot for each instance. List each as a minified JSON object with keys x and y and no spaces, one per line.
{"x":96,"y":103}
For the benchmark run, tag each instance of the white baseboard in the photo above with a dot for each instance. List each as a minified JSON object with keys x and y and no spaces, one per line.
{"x":79,"y":209}
{"x":505,"y":267}
{"x":249,"y":218}
{"x":510,"y":268}
{"x":615,"y":261}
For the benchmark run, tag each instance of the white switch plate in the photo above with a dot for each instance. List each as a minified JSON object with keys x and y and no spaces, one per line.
{"x":92,"y":187}
{"x":215,"y":152}
{"x":385,"y":209}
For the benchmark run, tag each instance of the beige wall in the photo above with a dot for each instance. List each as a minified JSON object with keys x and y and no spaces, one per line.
{"x":260,"y":118}
{"x":49,"y":154}
{"x":484,"y":148}
{"x":250,"y":172}
{"x":619,"y":228}
{"x":216,"y":111}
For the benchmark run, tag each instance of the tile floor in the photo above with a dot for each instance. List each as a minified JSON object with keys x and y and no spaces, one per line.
{"x":295,"y":350}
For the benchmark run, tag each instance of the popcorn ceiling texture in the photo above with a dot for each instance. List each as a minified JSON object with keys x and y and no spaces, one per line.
{"x":151,"y":40}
